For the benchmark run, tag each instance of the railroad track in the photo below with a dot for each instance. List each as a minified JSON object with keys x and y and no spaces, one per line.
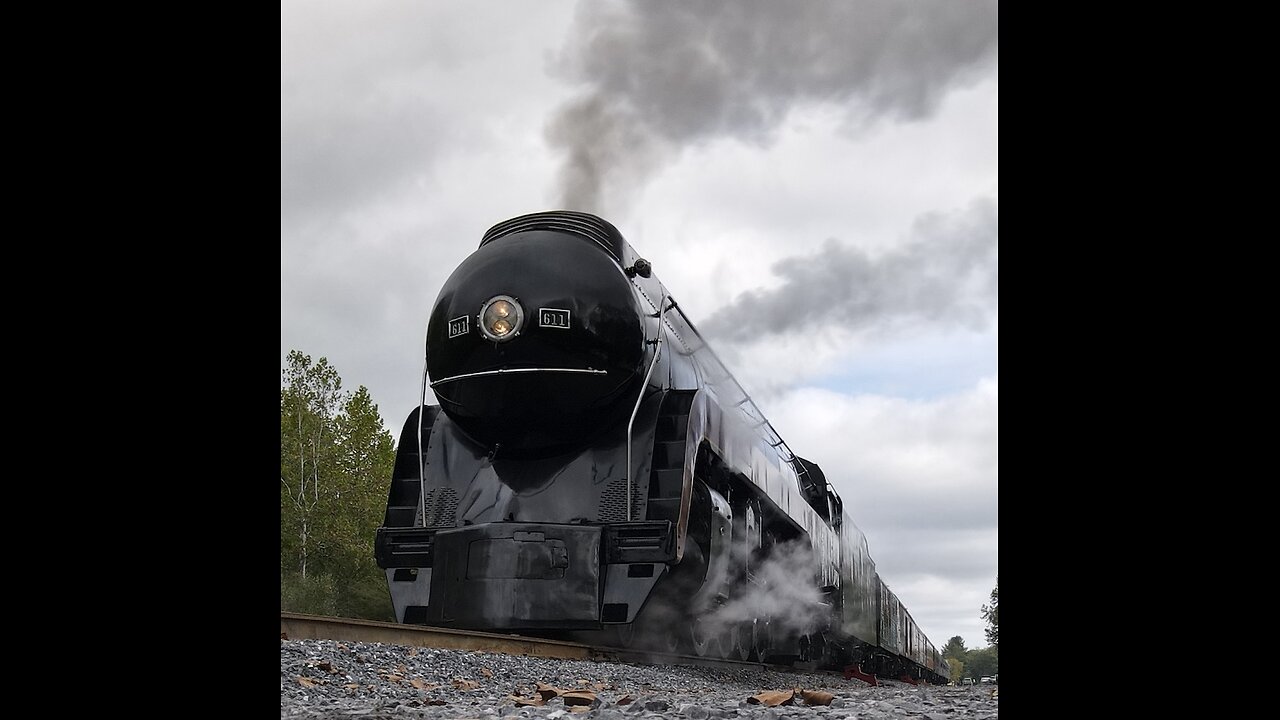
{"x":297,"y":626}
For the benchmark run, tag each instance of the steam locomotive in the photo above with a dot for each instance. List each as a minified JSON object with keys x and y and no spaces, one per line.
{"x":592,"y":468}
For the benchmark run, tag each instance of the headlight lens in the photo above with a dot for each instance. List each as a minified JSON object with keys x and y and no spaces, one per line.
{"x":501,"y":318}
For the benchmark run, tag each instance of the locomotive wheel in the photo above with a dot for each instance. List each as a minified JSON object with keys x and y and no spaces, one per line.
{"x":755,"y":640}
{"x":728,"y":642}
{"x":743,"y":640}
{"x":670,"y":642}
{"x":760,"y":641}
{"x":655,"y":627}
{"x":818,"y":648}
{"x":621,"y":636}
{"x":661,"y":639}
{"x":704,"y":640}
{"x":699,"y":638}
{"x":665,"y":640}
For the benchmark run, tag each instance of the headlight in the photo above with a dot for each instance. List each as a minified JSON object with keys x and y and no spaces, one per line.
{"x":501,"y":318}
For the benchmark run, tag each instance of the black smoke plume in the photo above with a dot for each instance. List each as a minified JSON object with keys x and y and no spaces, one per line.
{"x":660,"y":76}
{"x":947,"y":273}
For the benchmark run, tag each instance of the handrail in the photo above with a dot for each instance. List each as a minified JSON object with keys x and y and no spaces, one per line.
{"x":504,"y":371}
{"x":657,"y":350}
{"x":782,"y":445}
{"x":422,"y":466}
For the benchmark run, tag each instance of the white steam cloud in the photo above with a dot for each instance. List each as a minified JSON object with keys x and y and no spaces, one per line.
{"x":786,"y":593}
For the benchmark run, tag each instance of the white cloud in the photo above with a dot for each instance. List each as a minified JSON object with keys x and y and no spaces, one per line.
{"x":921,"y":479}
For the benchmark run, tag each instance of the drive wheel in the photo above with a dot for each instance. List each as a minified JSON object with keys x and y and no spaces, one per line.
{"x":655,"y":628}
{"x":704,"y":640}
{"x":760,"y":641}
{"x":742,"y":640}
{"x":754,"y":640}
{"x":621,"y":636}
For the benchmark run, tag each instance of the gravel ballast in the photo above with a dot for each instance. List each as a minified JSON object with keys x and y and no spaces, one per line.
{"x":330,"y":679}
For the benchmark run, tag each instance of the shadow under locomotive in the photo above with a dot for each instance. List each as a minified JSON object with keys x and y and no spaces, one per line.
{"x":594,"y":468}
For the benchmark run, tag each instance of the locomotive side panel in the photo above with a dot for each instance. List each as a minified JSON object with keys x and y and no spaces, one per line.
{"x":858,"y":609}
{"x":890,"y":631}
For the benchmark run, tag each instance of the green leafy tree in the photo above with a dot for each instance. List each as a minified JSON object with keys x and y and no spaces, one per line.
{"x":981,"y":663}
{"x":335,"y":464}
{"x":366,"y":456}
{"x":309,"y":401}
{"x":991,"y":613}
{"x":955,"y":669}
{"x":954,"y":648}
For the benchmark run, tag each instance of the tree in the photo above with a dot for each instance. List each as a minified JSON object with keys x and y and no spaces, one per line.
{"x":954,"y":648}
{"x":308,"y":402}
{"x":991,"y":613}
{"x":982,"y":663}
{"x":335,"y":465}
{"x":955,"y":669}
{"x":366,"y":456}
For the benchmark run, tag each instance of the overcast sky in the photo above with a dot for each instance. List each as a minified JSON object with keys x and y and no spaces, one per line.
{"x":817,"y":184}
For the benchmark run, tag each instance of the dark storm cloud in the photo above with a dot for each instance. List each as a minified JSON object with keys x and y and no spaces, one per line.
{"x":663,"y":75}
{"x":947,"y":273}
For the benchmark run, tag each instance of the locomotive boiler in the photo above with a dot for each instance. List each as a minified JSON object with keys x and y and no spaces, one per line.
{"x":593,"y":468}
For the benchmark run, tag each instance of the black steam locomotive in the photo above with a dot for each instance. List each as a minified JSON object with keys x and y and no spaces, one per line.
{"x":593,"y":468}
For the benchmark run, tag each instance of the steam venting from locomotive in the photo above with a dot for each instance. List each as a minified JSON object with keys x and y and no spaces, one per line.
{"x":665,"y":76}
{"x":784,"y":594}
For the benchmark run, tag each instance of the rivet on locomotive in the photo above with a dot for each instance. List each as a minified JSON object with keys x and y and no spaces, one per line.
{"x":594,"y":469}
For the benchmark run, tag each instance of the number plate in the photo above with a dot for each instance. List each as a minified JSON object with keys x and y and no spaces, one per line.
{"x":553,"y":318}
